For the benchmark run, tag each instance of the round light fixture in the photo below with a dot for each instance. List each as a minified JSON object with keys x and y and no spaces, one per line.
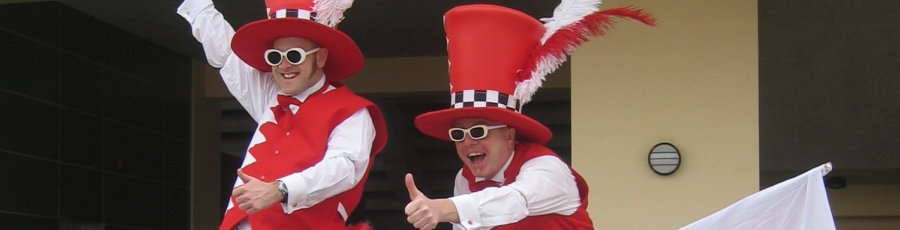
{"x":664,"y":159}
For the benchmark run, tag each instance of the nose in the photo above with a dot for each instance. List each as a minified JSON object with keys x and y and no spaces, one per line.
{"x":467,"y":140}
{"x":284,"y":63}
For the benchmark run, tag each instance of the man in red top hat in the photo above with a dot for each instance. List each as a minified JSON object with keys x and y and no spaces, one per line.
{"x":310,"y":156}
{"x":509,"y":180}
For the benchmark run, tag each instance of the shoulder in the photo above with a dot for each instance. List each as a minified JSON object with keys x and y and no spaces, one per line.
{"x":546,"y":161}
{"x":344,"y":94}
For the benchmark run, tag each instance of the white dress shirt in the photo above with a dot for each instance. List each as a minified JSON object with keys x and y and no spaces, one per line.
{"x":349,"y":145}
{"x":545,"y":185}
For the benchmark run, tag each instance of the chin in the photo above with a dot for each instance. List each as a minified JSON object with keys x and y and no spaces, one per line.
{"x":291,"y":91}
{"x":474,"y":171}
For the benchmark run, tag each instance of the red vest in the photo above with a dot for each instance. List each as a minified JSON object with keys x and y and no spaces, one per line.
{"x":299,"y":144}
{"x":526,"y":151}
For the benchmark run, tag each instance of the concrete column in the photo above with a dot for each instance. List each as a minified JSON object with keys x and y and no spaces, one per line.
{"x":205,"y":150}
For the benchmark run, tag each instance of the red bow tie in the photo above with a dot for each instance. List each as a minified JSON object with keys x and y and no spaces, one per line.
{"x":285,"y":100}
{"x":478,"y":186}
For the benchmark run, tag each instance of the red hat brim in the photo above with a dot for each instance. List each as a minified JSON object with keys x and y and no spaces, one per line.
{"x":437,"y":123}
{"x":251,"y":42}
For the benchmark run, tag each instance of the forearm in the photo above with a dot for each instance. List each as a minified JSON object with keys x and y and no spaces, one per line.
{"x":249,"y":86}
{"x":544,"y":185}
{"x":209,"y":28}
{"x":448,"y":211}
{"x":345,"y":163}
{"x":328,"y":178}
{"x":489,"y":207}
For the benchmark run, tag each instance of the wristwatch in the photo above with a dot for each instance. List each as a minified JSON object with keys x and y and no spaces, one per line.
{"x":284,"y":192}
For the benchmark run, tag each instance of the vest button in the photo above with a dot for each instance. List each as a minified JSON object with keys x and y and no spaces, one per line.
{"x":262,"y":177}
{"x":288,"y":134}
{"x":276,"y":152}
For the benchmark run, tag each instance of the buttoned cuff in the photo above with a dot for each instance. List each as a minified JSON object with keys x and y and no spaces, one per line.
{"x":189,"y":9}
{"x":467,"y":210}
{"x":296,"y":188}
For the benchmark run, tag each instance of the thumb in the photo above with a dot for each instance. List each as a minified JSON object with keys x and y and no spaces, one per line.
{"x":411,"y":187}
{"x":244,"y":177}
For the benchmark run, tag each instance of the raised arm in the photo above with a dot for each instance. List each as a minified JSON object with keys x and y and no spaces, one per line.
{"x":252,"y":88}
{"x":209,"y":28}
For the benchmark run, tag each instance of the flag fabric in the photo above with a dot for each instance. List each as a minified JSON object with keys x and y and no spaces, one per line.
{"x":797,"y":203}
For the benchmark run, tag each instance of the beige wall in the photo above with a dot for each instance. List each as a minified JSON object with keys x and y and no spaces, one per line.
{"x":864,"y":207}
{"x":391,"y":75}
{"x":690,"y":81}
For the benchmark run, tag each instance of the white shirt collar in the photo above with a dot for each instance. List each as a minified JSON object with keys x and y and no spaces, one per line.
{"x":499,"y":177}
{"x":314,"y":88}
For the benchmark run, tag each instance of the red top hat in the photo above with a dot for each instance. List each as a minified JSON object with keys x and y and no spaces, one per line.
{"x":487,"y":45}
{"x":304,"y":19}
{"x":500,"y":56}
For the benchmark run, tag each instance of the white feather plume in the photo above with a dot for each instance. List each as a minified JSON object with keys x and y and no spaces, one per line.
{"x":566,"y":13}
{"x":526,"y":89}
{"x":572,"y":23}
{"x":331,"y":12}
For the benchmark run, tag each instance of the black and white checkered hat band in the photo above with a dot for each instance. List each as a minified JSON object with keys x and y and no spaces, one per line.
{"x":483,"y":98}
{"x":288,"y":13}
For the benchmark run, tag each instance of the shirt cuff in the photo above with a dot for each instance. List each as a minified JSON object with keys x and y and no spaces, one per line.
{"x":189,"y":9}
{"x":296,"y":187}
{"x":467,"y":210}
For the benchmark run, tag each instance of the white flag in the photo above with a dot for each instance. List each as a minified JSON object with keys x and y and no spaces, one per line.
{"x":797,"y":203}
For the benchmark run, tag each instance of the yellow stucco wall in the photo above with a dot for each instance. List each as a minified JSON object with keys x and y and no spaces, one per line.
{"x":690,"y":81}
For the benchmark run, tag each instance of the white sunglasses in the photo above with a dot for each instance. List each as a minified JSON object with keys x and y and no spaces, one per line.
{"x":476,"y":132}
{"x":295,"y":56}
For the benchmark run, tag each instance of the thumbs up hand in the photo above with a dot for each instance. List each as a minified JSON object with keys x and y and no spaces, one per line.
{"x":254,"y":195}
{"x":424,"y":213}
{"x":412,"y":189}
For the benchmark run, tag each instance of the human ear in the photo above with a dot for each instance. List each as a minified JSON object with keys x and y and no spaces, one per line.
{"x":511,"y":138}
{"x":322,"y":57}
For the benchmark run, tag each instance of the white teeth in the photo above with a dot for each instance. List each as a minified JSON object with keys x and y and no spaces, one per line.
{"x":475,"y":154}
{"x":289,"y":75}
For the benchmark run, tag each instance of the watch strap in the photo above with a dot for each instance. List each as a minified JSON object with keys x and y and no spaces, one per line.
{"x":284,"y":192}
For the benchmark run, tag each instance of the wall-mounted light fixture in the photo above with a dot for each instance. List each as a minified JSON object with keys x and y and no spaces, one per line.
{"x":664,"y":159}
